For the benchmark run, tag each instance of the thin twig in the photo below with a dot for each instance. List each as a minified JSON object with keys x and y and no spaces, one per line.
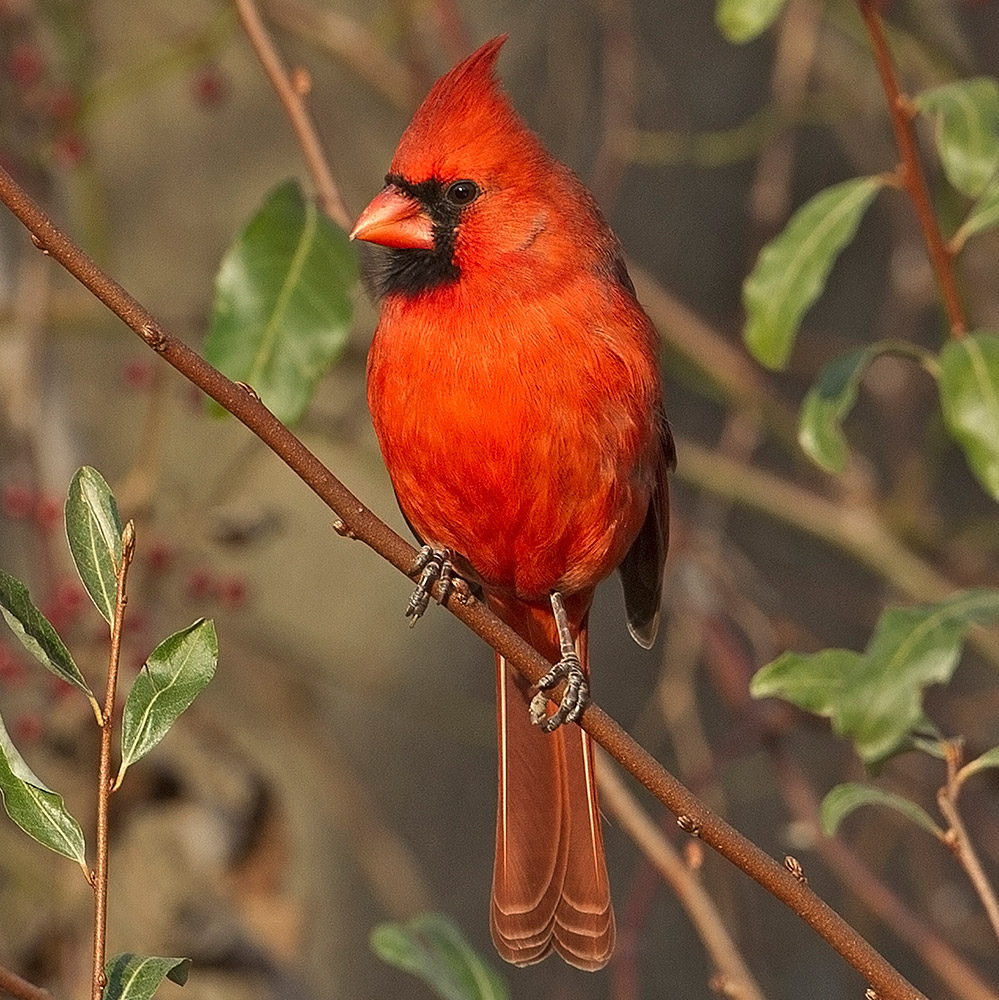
{"x":100,"y":875}
{"x":794,"y":53}
{"x":243,"y":404}
{"x":913,"y":178}
{"x":617,"y":113}
{"x":958,"y":841}
{"x":12,"y":983}
{"x":292,"y":97}
{"x":350,"y":43}
{"x":693,"y":897}
{"x":948,"y":966}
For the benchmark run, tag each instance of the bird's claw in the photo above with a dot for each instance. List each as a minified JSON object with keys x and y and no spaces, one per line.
{"x":435,"y":565}
{"x":575,"y":697}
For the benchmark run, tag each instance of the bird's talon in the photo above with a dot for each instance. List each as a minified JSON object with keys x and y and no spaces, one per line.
{"x":436,"y":567}
{"x":574,"y":698}
{"x":539,"y":709}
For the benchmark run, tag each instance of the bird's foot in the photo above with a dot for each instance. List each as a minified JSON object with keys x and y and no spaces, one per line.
{"x":575,"y":697}
{"x":434,"y":566}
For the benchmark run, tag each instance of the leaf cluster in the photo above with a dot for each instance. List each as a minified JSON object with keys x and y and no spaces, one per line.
{"x":172,"y":676}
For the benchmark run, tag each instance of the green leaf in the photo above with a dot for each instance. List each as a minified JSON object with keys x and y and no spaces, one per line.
{"x":38,"y":636}
{"x":988,"y":759}
{"x":874,"y":698}
{"x":969,"y":395}
{"x":175,"y":673}
{"x":967,"y":132}
{"x":94,"y":529}
{"x":744,"y":20}
{"x":792,"y":268}
{"x":984,"y":214}
{"x":137,"y":977}
{"x":828,"y":402}
{"x":434,"y":950}
{"x":36,"y":809}
{"x":283,"y":303}
{"x":843,"y":799}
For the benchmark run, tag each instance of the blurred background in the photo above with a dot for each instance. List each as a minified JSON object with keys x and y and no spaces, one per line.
{"x":340,"y":769}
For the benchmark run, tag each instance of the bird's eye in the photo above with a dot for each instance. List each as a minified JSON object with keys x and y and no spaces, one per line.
{"x":462,"y":193}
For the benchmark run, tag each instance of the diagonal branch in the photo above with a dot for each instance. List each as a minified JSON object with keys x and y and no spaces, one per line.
{"x":912,"y":177}
{"x":359,"y":522}
{"x":12,"y":983}
{"x":292,"y":90}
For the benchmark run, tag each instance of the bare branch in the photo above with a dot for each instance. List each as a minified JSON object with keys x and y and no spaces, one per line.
{"x":292,"y":95}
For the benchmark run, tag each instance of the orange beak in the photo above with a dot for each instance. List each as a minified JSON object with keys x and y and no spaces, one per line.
{"x":395,"y":219}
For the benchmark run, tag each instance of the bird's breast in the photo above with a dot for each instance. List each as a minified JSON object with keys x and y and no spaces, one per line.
{"x":518,"y":436}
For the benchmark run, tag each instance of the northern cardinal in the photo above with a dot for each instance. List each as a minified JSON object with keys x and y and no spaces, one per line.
{"x":514,"y":389}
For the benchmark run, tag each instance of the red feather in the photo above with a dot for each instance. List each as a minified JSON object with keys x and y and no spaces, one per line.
{"x":514,"y":389}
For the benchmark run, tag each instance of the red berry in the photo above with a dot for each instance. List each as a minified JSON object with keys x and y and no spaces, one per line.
{"x":48,"y":512}
{"x":64,"y":104}
{"x":138,"y":373}
{"x":59,"y":688}
{"x":25,"y":64}
{"x":210,"y":86}
{"x":158,"y":557}
{"x":27,"y":728}
{"x":69,"y":149}
{"x":12,"y":669}
{"x":69,"y":595}
{"x":200,"y":583}
{"x":17,"y":500}
{"x":232,"y":592}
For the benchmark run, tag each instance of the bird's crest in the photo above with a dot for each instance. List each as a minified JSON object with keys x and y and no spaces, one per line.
{"x":465,"y":125}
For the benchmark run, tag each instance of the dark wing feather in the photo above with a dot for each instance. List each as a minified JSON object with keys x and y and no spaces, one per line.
{"x":642,"y":567}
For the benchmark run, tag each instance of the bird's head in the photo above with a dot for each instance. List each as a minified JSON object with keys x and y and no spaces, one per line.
{"x":469,"y":184}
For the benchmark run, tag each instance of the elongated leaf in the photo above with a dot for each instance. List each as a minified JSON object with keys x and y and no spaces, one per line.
{"x":967,"y":132}
{"x":38,"y":636}
{"x":984,"y":213}
{"x":35,"y":808}
{"x":283,"y":302}
{"x":969,"y":395}
{"x":874,"y":698}
{"x":433,"y":949}
{"x":175,"y":673}
{"x":987,"y":760}
{"x":828,"y":402}
{"x":138,"y":977}
{"x":793,"y":267}
{"x":94,"y":529}
{"x":843,"y":799}
{"x":744,"y":20}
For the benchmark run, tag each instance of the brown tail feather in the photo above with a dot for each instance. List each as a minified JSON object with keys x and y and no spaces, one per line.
{"x":550,"y":887}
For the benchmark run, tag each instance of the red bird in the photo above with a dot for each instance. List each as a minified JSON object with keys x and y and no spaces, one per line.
{"x":515,"y":392}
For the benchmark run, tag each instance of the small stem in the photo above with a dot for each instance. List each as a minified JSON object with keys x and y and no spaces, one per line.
{"x":960,"y":843}
{"x":879,"y":898}
{"x":100,"y":879}
{"x":693,"y":897}
{"x":292,"y":97}
{"x":900,"y":110}
{"x":12,"y":983}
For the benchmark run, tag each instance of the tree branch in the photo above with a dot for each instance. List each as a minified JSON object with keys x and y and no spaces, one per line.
{"x":99,"y":880}
{"x":358,"y":521}
{"x":958,"y":840}
{"x":12,"y":983}
{"x":912,"y":176}
{"x":738,"y":982}
{"x":291,"y":94}
{"x":949,"y":966}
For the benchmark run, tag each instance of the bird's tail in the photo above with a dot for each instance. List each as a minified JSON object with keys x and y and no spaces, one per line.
{"x":550,"y":887}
